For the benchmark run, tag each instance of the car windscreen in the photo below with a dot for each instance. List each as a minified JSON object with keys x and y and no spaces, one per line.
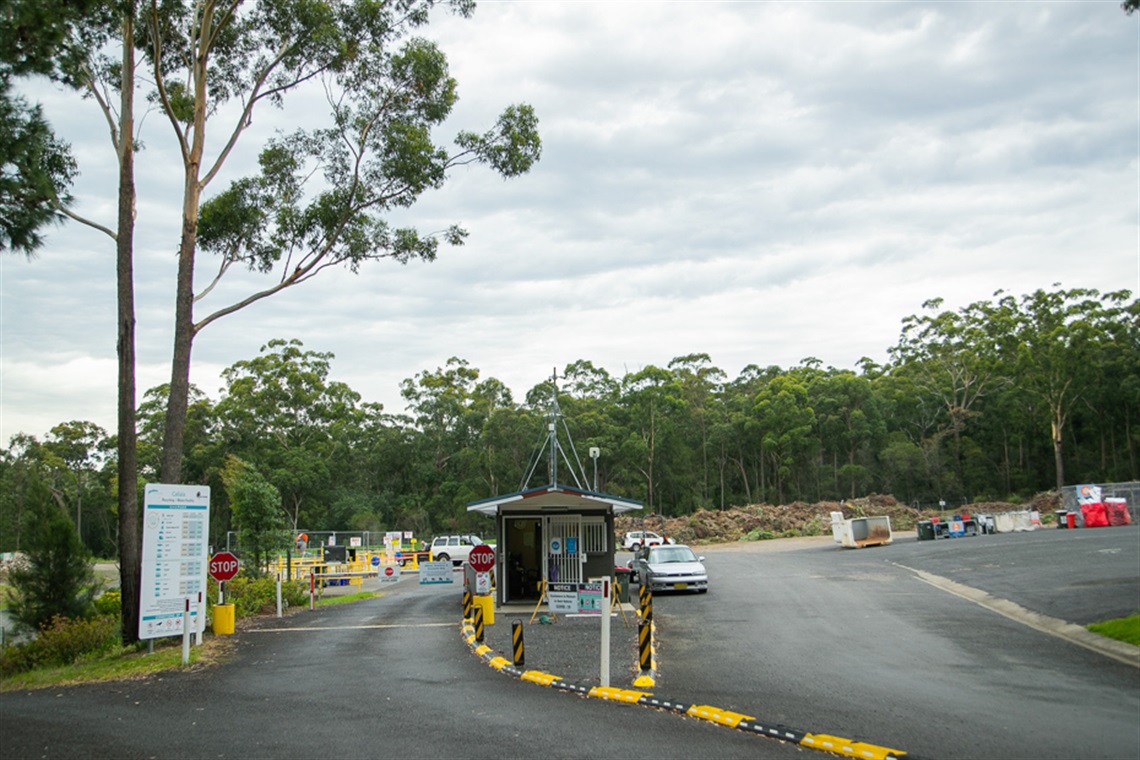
{"x":664,"y":554}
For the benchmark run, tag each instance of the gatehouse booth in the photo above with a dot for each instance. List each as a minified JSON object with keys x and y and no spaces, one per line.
{"x":555,"y":533}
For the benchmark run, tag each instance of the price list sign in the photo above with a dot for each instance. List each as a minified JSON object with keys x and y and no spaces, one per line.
{"x":176,"y":529}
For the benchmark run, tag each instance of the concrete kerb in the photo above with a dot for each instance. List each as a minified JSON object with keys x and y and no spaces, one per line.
{"x":739,"y":721}
{"x":1120,"y":651}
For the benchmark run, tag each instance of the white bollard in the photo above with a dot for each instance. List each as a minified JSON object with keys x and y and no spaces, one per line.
{"x":201,"y":626}
{"x":186,"y":633}
{"x":606,"y":612}
{"x":278,"y":594}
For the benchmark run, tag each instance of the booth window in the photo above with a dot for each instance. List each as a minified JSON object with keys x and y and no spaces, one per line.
{"x":594,"y":535}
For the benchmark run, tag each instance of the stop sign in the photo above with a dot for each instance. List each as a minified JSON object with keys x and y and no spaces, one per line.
{"x":482,"y":558}
{"x":223,"y":566}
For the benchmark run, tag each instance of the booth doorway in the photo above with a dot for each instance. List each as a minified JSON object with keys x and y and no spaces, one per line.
{"x":524,"y":544}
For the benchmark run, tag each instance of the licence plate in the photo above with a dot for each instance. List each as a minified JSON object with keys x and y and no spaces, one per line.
{"x":681,"y":586}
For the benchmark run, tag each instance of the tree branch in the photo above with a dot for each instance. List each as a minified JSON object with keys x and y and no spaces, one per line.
{"x":156,"y":56}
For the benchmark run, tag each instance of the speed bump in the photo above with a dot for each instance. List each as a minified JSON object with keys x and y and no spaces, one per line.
{"x":717,"y":715}
{"x":841,"y":746}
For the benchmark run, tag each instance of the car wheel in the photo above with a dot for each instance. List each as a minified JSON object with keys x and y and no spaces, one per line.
{"x":442,"y":558}
{"x":634,"y":547}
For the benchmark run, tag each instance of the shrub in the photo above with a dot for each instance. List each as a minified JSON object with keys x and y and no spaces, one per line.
{"x":62,"y":642}
{"x":759,"y":534}
{"x":57,"y":578}
{"x":252,"y":595}
{"x":110,"y":603}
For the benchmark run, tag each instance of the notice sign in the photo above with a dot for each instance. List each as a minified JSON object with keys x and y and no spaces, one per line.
{"x":389,"y":574}
{"x":176,"y":528}
{"x":562,"y":598}
{"x":590,"y":598}
{"x":435,"y":572}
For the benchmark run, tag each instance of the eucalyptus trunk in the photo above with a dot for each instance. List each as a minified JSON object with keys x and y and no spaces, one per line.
{"x":130,"y":540}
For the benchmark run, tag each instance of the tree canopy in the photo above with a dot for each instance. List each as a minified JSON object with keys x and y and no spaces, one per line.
{"x":991,"y":401}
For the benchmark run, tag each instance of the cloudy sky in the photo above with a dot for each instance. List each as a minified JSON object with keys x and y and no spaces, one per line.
{"x":761,"y":182}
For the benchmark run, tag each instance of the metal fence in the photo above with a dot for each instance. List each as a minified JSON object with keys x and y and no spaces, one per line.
{"x":1130,"y":492}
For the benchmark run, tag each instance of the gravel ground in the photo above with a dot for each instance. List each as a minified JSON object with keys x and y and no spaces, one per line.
{"x":570,"y":647}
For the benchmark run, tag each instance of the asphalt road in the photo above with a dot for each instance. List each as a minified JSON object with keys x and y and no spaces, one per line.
{"x":390,"y":677}
{"x":845,"y":642}
{"x":854,"y":643}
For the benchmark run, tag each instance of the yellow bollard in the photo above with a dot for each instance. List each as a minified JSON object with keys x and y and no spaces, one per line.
{"x":223,"y":619}
{"x":487,"y":602}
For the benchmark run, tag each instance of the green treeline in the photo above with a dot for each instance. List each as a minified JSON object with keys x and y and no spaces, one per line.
{"x":1001,"y":399}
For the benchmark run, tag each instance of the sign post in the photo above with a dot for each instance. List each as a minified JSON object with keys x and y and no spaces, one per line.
{"x":482,"y":560}
{"x":223,"y":567}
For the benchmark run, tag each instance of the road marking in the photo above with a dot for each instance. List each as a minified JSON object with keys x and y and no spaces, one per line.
{"x":349,"y":627}
{"x":1062,"y":629}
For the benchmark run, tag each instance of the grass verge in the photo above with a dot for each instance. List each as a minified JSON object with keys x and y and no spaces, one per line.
{"x":347,"y":598}
{"x":130,"y":663}
{"x":1125,"y":629}
{"x":124,"y":664}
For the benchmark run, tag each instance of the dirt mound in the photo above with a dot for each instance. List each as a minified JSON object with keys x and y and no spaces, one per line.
{"x":763,"y":521}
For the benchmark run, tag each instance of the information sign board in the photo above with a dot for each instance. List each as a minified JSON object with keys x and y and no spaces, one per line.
{"x":562,"y":598}
{"x":390,"y":574}
{"x":590,"y":598}
{"x":435,"y":572}
{"x":176,"y":527}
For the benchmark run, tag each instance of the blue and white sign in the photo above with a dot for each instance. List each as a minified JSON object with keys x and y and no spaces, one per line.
{"x":375,"y":560}
{"x":175,"y":549}
{"x":435,"y":572}
{"x":571,"y":544}
{"x":556,"y":546}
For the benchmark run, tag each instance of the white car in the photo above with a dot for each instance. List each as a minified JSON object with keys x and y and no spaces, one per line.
{"x":671,"y":568}
{"x":636,"y":539}
{"x":455,"y":548}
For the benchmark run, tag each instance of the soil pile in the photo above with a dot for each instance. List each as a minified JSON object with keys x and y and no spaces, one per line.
{"x":763,"y":521}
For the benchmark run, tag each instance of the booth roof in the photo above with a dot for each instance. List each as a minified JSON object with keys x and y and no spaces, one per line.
{"x":553,"y":496}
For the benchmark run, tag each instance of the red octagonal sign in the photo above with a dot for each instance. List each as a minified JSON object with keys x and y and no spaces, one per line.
{"x":223,"y":566}
{"x":482,"y":558}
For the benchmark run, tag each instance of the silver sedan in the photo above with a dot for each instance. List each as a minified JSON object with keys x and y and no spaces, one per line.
{"x":669,"y":568}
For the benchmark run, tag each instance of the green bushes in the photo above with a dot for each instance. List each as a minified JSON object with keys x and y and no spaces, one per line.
{"x":56,"y":578}
{"x":62,"y":642}
{"x":251,"y":596}
{"x":109,"y":603}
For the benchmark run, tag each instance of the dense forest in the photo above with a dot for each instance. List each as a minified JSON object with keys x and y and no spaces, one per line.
{"x":998,"y":400}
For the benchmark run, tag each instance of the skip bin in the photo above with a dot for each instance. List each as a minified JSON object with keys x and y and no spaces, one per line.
{"x":925,"y":530}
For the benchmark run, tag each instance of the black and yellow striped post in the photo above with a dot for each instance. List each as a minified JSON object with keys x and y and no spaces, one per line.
{"x":517,"y":639}
{"x":644,"y":641}
{"x":479,"y":623}
{"x":467,"y":605}
{"x":646,"y":603}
